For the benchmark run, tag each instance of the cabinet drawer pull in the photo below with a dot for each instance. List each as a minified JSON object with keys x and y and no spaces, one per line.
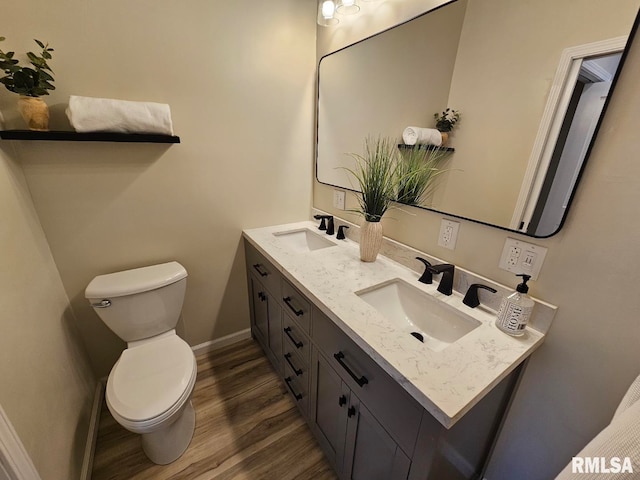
{"x":342,"y":400}
{"x":287,"y":300}
{"x":361,"y":381}
{"x":352,"y":411}
{"x":297,"y":396}
{"x":257,"y":266}
{"x":297,"y":371}
{"x":296,"y":343}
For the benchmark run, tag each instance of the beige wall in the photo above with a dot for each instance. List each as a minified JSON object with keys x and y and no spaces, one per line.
{"x":239,"y":77}
{"x":46,"y":385}
{"x":574,"y":382}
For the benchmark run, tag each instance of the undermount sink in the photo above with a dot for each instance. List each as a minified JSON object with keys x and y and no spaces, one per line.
{"x":428,"y":319}
{"x":304,"y":240}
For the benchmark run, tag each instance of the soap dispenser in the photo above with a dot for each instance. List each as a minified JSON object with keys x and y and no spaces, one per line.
{"x":515,"y":310}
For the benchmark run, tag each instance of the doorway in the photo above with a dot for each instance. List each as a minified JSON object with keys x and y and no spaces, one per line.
{"x":584,"y":110}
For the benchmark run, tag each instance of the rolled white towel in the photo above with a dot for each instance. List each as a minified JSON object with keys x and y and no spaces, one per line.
{"x":88,"y":114}
{"x":421,"y":136}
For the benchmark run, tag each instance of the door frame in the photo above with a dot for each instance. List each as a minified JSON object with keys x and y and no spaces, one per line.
{"x":551,"y":123}
{"x":15,"y":463}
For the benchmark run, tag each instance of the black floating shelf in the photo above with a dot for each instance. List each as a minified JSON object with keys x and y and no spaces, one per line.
{"x":404,"y":146}
{"x":61,"y":136}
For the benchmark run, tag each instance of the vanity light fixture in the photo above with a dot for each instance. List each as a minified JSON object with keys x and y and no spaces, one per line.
{"x":347,"y":7}
{"x":327,"y":13}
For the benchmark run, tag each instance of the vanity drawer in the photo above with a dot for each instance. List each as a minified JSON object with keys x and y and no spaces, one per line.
{"x":264,"y":269}
{"x":298,"y":386}
{"x":296,"y":305}
{"x":294,"y":339}
{"x":394,"y":408}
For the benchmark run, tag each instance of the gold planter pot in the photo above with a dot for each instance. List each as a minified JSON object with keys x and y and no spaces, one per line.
{"x":34,"y":112}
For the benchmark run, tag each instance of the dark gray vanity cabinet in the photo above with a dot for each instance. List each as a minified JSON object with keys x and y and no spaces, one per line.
{"x":280,"y":322}
{"x":356,"y":444}
{"x":265,"y":309}
{"x":364,"y":419}
{"x":368,"y":425}
{"x":296,"y":345}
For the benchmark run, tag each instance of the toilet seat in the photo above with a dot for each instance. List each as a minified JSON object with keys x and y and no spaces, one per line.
{"x":151,"y":381}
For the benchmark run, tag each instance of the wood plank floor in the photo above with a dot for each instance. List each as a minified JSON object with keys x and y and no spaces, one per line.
{"x":247,"y":427}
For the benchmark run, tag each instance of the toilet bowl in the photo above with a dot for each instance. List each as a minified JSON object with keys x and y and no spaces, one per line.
{"x":149,"y":388}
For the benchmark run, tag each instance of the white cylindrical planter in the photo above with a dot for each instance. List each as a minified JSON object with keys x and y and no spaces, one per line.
{"x":370,"y":241}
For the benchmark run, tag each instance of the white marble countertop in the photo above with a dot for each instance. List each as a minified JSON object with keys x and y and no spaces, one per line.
{"x":447,"y":383}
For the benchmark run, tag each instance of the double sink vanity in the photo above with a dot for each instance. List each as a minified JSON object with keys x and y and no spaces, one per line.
{"x":395,"y":379}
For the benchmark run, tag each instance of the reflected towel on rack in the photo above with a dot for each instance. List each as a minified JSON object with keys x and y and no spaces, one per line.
{"x":88,"y":114}
{"x":421,"y":136}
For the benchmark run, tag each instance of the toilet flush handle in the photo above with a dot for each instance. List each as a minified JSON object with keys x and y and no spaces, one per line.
{"x":103,"y":304}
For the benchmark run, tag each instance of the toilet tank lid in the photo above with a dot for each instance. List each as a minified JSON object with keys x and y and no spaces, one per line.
{"x":134,"y":281}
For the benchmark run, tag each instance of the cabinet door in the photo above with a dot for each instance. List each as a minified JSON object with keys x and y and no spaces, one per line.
{"x":275,"y":332}
{"x":260,"y":310}
{"x":371,"y":453}
{"x":330,"y":398}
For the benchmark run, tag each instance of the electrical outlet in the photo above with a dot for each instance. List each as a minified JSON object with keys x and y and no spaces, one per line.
{"x":448,"y":234}
{"x":338,"y":199}
{"x":514,"y":256}
{"x":522,"y":257}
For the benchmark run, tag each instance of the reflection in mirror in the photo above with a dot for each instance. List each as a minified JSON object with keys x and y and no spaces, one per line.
{"x":586,"y":103}
{"x":522,"y":74}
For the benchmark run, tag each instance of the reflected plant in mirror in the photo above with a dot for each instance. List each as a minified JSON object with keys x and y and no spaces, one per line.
{"x":419,"y":167}
{"x":446,"y":120}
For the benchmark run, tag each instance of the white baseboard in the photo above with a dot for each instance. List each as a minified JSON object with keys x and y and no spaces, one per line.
{"x":222,"y":342}
{"x":92,"y":435}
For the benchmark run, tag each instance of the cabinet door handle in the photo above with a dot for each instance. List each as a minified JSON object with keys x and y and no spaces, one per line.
{"x":262,"y":296}
{"x":342,"y":400}
{"x":352,"y":411}
{"x":361,"y":381}
{"x":296,"y":343}
{"x":297,"y":396}
{"x":297,"y":371}
{"x":257,"y":266}
{"x":287,"y":300}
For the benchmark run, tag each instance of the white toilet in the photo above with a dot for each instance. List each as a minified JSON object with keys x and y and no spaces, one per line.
{"x":149,"y":388}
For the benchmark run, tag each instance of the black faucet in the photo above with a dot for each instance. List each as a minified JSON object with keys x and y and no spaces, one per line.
{"x":340,"y":235}
{"x":471,"y":298}
{"x":322,"y":218}
{"x":329,"y":227}
{"x":426,"y":277}
{"x":446,"y":282}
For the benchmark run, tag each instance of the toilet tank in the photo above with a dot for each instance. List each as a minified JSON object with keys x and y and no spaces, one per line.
{"x":139,"y":303}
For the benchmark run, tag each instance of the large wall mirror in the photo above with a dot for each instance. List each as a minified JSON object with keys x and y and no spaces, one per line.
{"x":530,"y":79}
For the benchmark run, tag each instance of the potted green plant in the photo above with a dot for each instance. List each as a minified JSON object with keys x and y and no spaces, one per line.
{"x":30,"y":82}
{"x":445,"y":122}
{"x":418,"y":169}
{"x":376,"y":172}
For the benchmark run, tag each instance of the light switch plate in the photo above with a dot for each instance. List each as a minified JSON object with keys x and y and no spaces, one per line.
{"x":338,"y":199}
{"x":448,"y":234}
{"x":522,"y":257}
